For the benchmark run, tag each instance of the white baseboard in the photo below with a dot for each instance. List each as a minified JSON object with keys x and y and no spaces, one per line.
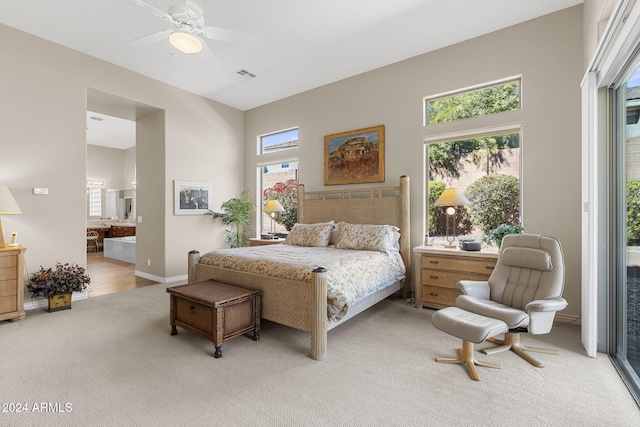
{"x":44,"y":303}
{"x":159,"y":279}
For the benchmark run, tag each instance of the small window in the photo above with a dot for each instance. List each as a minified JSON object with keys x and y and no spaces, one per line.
{"x":95,"y":201}
{"x":479,"y":102}
{"x":278,"y":141}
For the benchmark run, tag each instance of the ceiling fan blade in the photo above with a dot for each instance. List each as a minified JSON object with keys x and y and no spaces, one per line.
{"x":159,"y":13}
{"x":151,"y":38}
{"x":208,"y":57}
{"x":232,"y":36}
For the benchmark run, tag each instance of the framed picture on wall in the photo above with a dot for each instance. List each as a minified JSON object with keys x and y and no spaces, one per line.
{"x":192,"y":198}
{"x":354,"y":157}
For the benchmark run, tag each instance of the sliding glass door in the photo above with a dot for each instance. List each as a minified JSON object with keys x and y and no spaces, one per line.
{"x":625,"y":295}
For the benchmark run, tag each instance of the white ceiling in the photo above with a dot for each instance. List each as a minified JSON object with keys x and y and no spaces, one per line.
{"x":306,"y":44}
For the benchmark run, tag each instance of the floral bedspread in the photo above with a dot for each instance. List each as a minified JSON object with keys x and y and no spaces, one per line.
{"x":351,"y":274}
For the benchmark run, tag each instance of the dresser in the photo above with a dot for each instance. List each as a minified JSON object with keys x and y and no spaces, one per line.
{"x":12,"y":283}
{"x":438,"y":271}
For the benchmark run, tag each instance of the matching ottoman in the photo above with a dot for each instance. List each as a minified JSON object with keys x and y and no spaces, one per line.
{"x":471,"y":328}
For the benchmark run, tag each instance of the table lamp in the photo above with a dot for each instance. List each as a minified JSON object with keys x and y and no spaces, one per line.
{"x":451,"y":197}
{"x":8,"y":206}
{"x":271,"y":207}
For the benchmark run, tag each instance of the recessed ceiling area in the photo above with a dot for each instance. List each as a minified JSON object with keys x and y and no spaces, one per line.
{"x":109,"y":131}
{"x":303,"y":45}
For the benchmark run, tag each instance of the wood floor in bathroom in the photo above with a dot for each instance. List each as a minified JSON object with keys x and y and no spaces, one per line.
{"x":110,"y":275}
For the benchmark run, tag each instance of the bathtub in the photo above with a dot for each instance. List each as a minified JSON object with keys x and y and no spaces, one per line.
{"x":121,"y":248}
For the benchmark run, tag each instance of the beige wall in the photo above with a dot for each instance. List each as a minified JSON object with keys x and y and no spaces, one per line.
{"x":43,"y":103}
{"x":546,"y":52}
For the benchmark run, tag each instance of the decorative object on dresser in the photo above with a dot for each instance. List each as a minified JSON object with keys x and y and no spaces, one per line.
{"x":8,"y":206}
{"x":271,"y":207}
{"x":301,"y":300}
{"x":215,"y":311}
{"x":438,"y":270}
{"x":12,"y":283}
{"x":58,"y":284}
{"x":496,"y":235}
{"x":450,"y":198}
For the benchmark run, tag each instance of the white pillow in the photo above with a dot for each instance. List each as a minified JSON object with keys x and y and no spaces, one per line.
{"x":367,"y":237}
{"x":310,"y":234}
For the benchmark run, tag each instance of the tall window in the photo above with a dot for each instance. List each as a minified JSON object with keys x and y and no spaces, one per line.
{"x":489,"y":99}
{"x":485,"y":168}
{"x":278,"y":180}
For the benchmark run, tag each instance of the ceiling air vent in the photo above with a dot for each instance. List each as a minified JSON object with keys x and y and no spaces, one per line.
{"x":244,"y":75}
{"x":98,"y":119}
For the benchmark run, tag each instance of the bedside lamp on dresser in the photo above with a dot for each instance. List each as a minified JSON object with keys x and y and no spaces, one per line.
{"x":11,"y":265}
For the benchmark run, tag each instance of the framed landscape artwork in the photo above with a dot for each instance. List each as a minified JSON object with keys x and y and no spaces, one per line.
{"x":192,"y":198}
{"x":354,"y":157}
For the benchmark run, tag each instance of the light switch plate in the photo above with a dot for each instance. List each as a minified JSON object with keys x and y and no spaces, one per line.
{"x":40,"y":190}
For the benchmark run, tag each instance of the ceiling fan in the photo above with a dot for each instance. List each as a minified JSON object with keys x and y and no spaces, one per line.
{"x":189,"y":28}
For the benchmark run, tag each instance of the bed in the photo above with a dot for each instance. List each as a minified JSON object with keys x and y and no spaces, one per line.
{"x":302,"y":302}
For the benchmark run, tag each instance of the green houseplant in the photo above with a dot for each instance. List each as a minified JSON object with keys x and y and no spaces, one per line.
{"x":496,"y":235}
{"x":57,"y":284}
{"x":236,"y":214}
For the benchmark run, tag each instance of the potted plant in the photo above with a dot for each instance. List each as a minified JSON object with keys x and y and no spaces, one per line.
{"x":236,"y":214}
{"x":57,"y":284}
{"x":495,"y":236}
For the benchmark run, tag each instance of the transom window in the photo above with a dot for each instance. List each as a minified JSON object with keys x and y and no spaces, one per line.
{"x":278,"y":141}
{"x":485,"y":100}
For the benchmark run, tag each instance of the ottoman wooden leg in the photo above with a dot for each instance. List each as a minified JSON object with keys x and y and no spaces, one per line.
{"x":467,"y":357}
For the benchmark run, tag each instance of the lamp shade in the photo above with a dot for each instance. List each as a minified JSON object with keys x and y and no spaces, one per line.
{"x":451,"y":197}
{"x":185,"y":42}
{"x":273,"y":206}
{"x":8,"y":205}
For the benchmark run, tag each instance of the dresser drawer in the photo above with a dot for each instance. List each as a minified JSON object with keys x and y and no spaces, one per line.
{"x":8,"y":262}
{"x":434,"y":296}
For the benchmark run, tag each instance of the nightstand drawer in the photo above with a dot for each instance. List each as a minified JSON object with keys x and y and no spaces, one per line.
{"x":8,"y":304}
{"x":442,"y":278}
{"x":482,"y":266}
{"x":438,"y":297}
{"x":8,"y":287}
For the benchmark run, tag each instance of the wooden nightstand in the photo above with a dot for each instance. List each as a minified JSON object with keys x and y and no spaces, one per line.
{"x":254,"y":241}
{"x":12,"y":283}
{"x":438,"y":271}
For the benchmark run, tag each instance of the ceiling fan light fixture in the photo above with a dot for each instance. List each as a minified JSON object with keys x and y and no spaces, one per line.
{"x":185,"y":42}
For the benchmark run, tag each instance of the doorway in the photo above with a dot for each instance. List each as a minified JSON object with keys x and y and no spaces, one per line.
{"x":120,"y":184}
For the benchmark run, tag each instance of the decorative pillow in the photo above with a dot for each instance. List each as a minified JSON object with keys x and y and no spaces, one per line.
{"x":367,"y":237}
{"x":310,"y":234}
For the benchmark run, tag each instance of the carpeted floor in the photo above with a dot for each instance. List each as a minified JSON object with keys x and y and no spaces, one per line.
{"x":111,"y":361}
